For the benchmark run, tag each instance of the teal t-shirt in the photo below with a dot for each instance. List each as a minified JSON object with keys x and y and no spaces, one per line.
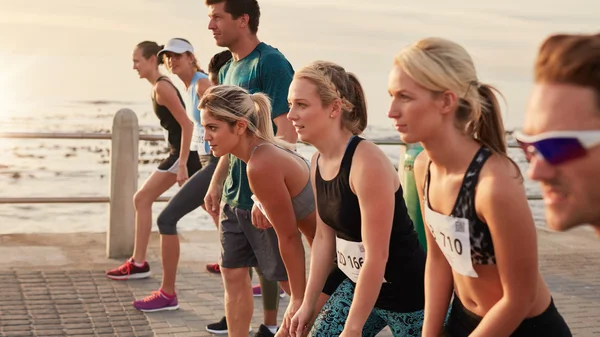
{"x":264,"y":70}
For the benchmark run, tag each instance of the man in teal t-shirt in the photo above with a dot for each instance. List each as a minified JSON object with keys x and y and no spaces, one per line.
{"x":264,"y":70}
{"x":256,"y":67}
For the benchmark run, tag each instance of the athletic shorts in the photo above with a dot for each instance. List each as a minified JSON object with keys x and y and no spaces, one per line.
{"x":171,"y":163}
{"x":243,"y":245}
{"x":550,"y":323}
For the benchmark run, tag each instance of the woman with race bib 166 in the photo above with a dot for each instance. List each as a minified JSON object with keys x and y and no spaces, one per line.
{"x":361,"y":216}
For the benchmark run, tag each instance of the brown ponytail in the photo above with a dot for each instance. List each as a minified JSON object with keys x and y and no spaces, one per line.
{"x":356,"y":121}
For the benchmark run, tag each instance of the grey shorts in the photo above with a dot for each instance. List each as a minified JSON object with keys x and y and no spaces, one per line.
{"x":243,"y":245}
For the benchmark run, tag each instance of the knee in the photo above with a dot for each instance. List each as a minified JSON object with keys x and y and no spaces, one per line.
{"x":142,"y":199}
{"x":235,"y":278}
{"x":167,"y":225}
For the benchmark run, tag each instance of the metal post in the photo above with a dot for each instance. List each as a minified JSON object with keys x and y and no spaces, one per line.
{"x":123,"y":184}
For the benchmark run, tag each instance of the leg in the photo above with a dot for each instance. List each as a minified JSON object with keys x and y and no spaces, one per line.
{"x":155,"y":185}
{"x":330,"y":321}
{"x":236,"y":257}
{"x":238,"y":300}
{"x":270,"y":299}
{"x":209,"y":164}
{"x":270,"y":266}
{"x":407,"y":324}
{"x":187,"y":199}
{"x":335,"y":278}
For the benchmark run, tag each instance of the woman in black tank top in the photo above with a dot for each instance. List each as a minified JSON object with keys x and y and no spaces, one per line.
{"x":362,"y":218}
{"x":169,"y":108}
{"x":481,"y":236}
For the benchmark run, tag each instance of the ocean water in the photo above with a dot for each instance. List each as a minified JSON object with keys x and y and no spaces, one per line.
{"x":65,"y":66}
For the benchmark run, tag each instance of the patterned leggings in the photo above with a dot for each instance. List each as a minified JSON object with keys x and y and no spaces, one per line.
{"x":332,"y":317}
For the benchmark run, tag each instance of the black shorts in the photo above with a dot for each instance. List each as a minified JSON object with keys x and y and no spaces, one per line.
{"x":171,"y":163}
{"x":550,"y":323}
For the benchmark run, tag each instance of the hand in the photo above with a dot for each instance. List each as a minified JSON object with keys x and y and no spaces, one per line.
{"x":259,"y":220}
{"x":301,"y":323}
{"x":212,"y":200}
{"x":291,"y":310}
{"x":182,"y":175}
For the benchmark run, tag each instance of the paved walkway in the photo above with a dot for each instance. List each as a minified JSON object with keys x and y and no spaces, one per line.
{"x":54,"y":285}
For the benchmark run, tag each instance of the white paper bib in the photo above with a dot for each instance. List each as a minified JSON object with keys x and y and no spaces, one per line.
{"x":452,"y":236}
{"x":198,"y":142}
{"x":350,"y":258}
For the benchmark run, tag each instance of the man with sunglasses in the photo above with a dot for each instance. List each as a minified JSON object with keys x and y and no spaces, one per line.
{"x":561,"y":133}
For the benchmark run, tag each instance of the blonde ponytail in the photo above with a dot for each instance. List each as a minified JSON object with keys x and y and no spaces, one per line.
{"x":231,"y":104}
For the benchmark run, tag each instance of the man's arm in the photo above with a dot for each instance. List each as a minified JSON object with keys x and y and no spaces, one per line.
{"x":285,"y":129}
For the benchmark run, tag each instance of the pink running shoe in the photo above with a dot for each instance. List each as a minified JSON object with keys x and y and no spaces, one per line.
{"x":257,"y":292}
{"x":157,"y":301}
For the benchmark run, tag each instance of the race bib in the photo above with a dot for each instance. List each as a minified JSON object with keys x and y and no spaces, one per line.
{"x":452,"y":236}
{"x":198,"y":143}
{"x":350,"y":257}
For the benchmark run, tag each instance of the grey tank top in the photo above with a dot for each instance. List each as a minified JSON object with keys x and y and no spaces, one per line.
{"x":303,"y":202}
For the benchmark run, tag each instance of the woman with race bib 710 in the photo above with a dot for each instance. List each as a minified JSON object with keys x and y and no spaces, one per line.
{"x":361,"y":216}
{"x":481,"y":237}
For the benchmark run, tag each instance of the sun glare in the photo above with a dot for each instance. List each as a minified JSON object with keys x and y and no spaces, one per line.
{"x":5,"y":104}
{"x":7,"y":96}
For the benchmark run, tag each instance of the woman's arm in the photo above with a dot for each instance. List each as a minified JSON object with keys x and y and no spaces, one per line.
{"x":201,"y":86}
{"x":372,"y":179}
{"x":267,"y":182}
{"x":501,"y":202}
{"x":166,"y":95}
{"x":439,"y":282}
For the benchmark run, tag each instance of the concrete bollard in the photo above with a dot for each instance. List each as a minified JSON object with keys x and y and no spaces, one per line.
{"x":123,"y":184}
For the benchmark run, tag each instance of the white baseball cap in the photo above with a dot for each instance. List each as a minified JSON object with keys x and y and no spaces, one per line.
{"x":177,"y":46}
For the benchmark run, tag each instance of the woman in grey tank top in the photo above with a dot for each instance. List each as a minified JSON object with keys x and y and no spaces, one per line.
{"x":238,"y":123}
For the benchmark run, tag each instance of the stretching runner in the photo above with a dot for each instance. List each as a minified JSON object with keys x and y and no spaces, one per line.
{"x":169,"y":107}
{"x":482,"y":248}
{"x":362,"y":216}
{"x":178,"y":56}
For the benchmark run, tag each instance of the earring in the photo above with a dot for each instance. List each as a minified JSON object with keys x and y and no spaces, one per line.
{"x":330,"y":116}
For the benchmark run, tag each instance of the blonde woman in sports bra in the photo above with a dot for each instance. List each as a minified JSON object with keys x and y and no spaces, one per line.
{"x":239,"y":123}
{"x":482,"y":255}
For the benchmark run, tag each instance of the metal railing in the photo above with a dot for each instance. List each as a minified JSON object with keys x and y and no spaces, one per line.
{"x":124,"y":158}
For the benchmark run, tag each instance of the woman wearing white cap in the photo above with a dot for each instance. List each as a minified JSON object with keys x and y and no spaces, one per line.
{"x":178,"y":57}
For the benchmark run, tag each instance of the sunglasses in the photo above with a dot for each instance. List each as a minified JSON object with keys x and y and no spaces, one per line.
{"x":558,"y":147}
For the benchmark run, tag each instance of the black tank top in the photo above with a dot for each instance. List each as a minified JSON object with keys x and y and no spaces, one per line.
{"x":167,"y":120}
{"x":405,"y":269}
